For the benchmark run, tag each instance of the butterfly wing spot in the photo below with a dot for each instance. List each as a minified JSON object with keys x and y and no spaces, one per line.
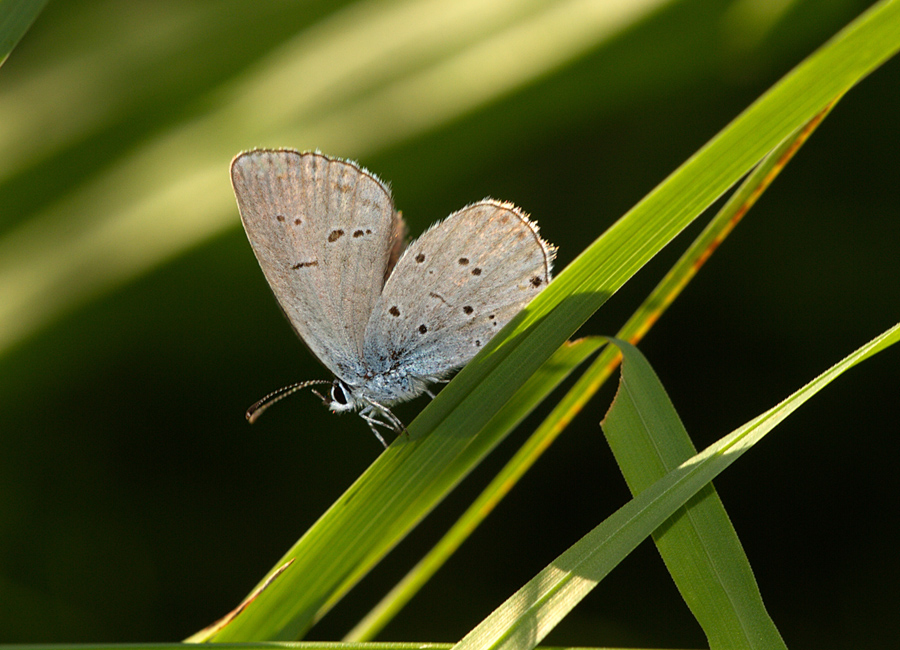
{"x":334,"y":235}
{"x":303,"y":265}
{"x":477,"y":343}
{"x":468,"y":309}
{"x":463,"y":261}
{"x":420,"y":258}
{"x":280,"y":218}
{"x":394,"y":311}
{"x":536,"y":281}
{"x":358,"y":233}
{"x":476,"y":271}
{"x":422,"y":329}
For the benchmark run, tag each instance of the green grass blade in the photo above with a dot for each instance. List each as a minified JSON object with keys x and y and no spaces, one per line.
{"x":698,"y":544}
{"x":541,"y":384}
{"x":511,"y":414}
{"x":16,"y":16}
{"x":684,"y":270}
{"x":410,"y":478}
{"x":599,"y":271}
{"x":634,"y":330}
{"x":532,"y":393}
{"x":535,"y":609}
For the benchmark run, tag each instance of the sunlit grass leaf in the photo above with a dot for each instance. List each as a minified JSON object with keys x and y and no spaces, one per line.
{"x":508,"y":417}
{"x":532,"y":393}
{"x":698,"y":544}
{"x":411,"y":477}
{"x":535,"y":609}
{"x":649,"y":312}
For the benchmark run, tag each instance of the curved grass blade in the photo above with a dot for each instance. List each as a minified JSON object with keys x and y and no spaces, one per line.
{"x":411,"y":477}
{"x":535,"y":609}
{"x":634,"y":330}
{"x":698,"y":543}
{"x":535,"y":390}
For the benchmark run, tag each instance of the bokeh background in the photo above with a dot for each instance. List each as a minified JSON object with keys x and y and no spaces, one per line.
{"x":136,"y":504}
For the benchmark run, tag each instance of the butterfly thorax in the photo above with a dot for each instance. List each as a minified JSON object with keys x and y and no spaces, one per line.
{"x":385,"y":388}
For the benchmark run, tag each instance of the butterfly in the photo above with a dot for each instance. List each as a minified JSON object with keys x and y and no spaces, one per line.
{"x":386,"y":319}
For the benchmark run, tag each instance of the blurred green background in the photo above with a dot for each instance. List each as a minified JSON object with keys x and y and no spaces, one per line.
{"x":136,"y":504}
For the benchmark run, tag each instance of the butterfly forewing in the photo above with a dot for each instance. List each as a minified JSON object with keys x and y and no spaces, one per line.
{"x":456,"y":286}
{"x":324,"y":232}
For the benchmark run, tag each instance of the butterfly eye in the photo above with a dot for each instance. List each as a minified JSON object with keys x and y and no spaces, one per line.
{"x":337,"y":393}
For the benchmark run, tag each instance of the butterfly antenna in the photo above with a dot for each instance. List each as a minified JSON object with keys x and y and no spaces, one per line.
{"x":257,"y":409}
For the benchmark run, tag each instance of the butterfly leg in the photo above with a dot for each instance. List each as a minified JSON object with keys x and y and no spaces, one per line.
{"x":371,"y":421}
{"x":388,"y":420}
{"x":391,"y":420}
{"x":370,"y":414}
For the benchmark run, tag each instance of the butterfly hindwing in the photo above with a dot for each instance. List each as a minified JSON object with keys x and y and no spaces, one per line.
{"x":456,"y":286}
